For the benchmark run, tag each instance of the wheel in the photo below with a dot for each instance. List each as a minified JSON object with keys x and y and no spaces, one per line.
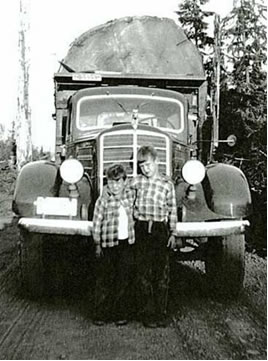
{"x":31,"y":263}
{"x":225,"y":264}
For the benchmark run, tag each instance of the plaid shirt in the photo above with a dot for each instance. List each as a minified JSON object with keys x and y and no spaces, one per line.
{"x":155,"y":200}
{"x":106,"y":217}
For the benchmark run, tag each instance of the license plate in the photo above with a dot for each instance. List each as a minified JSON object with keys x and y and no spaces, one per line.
{"x":52,"y":206}
{"x":87,"y":77}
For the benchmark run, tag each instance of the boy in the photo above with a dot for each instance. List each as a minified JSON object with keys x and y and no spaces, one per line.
{"x":155,"y":214}
{"x":113,"y":233}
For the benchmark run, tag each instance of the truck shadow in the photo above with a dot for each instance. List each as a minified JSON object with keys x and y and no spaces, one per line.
{"x":70,"y":280}
{"x":74,"y":281}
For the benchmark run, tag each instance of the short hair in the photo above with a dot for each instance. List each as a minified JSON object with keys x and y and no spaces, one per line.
{"x":116,"y":172}
{"x":146,"y":151}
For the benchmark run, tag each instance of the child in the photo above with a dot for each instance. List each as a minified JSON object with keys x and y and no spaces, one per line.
{"x":113,"y":233}
{"x":155,"y":214}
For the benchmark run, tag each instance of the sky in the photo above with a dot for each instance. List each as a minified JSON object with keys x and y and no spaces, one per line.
{"x":54,"y":24}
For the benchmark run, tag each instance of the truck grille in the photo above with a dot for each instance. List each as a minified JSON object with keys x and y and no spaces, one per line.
{"x":84,"y":153}
{"x":121,"y":147}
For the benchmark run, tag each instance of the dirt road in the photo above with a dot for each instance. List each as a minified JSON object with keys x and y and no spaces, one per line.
{"x":201,"y":327}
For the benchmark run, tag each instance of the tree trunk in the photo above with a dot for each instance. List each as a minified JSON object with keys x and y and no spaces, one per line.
{"x":216,"y":87}
{"x":23,"y":118}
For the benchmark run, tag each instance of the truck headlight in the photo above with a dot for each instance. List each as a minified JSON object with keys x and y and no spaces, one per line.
{"x":193,"y":171}
{"x":71,"y":171}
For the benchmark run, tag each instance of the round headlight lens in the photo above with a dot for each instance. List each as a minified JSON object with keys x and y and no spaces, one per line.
{"x":71,"y":171}
{"x":193,"y":171}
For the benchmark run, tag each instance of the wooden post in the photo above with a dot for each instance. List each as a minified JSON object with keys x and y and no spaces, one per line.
{"x":23,"y":117}
{"x":216,"y":86}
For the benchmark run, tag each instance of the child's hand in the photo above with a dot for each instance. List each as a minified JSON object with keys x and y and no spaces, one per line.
{"x":98,"y":251}
{"x":172,"y":242}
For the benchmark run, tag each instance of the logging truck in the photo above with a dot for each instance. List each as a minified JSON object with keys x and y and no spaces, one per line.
{"x":132,"y":82}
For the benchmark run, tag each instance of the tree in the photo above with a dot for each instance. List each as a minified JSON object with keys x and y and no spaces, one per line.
{"x":23,"y":119}
{"x":192,"y":18}
{"x":244,"y":98}
{"x":244,"y":104}
{"x":245,"y":36}
{"x":240,"y":47}
{"x":236,"y":62}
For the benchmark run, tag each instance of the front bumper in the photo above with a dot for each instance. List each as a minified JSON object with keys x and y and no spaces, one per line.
{"x":211,"y":229}
{"x":84,"y":228}
{"x":56,"y":226}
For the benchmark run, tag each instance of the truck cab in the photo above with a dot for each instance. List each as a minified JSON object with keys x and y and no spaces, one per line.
{"x":108,"y":126}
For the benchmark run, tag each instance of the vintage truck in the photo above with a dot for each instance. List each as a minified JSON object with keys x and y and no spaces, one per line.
{"x":132,"y":82}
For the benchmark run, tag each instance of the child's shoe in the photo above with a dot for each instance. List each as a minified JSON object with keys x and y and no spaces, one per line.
{"x":149,"y":322}
{"x":98,"y":322}
{"x":122,"y":322}
{"x":163,"y":321}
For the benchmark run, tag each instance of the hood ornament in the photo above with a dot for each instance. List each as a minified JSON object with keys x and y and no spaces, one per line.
{"x":135,"y":120}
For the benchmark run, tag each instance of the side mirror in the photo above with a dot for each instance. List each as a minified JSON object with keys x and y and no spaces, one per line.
{"x":231,"y":140}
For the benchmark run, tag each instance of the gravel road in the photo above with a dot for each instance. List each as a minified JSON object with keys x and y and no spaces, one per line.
{"x":201,"y":328}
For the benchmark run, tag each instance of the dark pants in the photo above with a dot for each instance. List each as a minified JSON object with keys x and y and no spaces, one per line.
{"x":114,"y":279}
{"x":152,"y":257}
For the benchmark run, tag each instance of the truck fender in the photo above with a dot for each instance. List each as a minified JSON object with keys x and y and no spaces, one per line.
{"x":193,"y":208}
{"x":227,"y":191}
{"x":35,"y":179}
{"x":85,"y":199}
{"x":42,"y":179}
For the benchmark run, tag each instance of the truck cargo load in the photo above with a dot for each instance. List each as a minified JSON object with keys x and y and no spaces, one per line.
{"x":146,"y":45}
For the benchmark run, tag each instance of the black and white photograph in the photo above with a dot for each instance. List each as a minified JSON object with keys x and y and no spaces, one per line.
{"x":133,"y":180}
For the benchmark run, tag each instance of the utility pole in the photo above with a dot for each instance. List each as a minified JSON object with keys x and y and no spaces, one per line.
{"x":23,"y":117}
{"x":216,"y":86}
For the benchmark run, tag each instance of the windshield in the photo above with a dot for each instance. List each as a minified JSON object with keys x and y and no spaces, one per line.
{"x":107,"y":111}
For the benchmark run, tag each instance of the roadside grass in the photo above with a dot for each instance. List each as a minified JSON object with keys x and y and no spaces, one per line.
{"x":7,"y":186}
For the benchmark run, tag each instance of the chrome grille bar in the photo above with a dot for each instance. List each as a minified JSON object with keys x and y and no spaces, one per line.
{"x":121,"y":147}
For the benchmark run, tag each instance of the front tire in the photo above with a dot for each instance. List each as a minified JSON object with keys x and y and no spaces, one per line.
{"x":225,"y":265}
{"x":31,"y":262}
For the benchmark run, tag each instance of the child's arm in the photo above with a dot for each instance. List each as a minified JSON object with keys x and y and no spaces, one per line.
{"x":98,"y":251}
{"x":132,"y":192}
{"x":172,"y":216}
{"x":97,"y":221}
